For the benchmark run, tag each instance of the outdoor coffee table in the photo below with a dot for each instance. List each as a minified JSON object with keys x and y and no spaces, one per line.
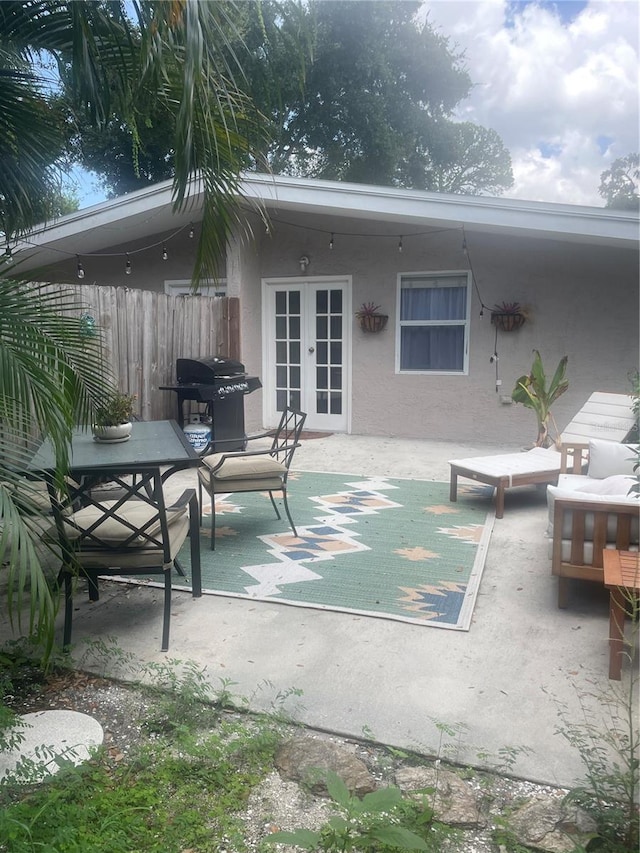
{"x":622,"y":579}
{"x":536,"y":466}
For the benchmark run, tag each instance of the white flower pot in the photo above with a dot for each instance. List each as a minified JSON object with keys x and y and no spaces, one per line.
{"x":120,"y":432}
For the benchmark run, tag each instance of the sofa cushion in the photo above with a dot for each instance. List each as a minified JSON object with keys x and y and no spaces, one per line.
{"x":607,"y":458}
{"x":619,"y":485}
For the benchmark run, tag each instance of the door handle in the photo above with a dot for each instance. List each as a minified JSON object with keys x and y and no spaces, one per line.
{"x":311,"y":350}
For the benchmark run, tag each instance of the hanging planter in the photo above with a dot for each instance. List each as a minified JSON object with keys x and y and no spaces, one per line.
{"x":507,"y":316}
{"x":370,"y":318}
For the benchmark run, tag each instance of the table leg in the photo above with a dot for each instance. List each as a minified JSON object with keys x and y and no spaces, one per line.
{"x":453,"y":486}
{"x":617,"y":612}
{"x":499,"y":501}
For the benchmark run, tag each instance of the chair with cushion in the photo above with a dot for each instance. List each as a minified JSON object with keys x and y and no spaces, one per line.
{"x":132,"y":534}
{"x":262,"y":470}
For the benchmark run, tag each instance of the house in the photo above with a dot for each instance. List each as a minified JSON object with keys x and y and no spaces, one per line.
{"x":436,"y":264}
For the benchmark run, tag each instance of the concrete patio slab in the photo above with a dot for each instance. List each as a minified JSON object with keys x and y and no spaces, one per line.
{"x":498,"y":686}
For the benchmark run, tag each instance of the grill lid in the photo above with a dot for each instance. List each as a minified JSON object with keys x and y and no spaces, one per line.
{"x":205,"y":368}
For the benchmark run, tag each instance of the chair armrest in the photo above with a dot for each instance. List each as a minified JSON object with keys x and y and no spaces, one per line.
{"x":185,"y":498}
{"x":573,"y":458}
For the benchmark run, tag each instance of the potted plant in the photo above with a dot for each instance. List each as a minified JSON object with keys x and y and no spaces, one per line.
{"x":532,"y":391}
{"x":113,"y":418}
{"x":507,"y":316}
{"x":370,"y":318}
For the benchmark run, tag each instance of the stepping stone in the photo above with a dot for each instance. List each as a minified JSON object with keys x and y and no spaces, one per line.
{"x":47,"y":736}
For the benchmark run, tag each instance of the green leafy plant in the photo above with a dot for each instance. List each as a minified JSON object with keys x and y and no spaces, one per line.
{"x":609,"y":746}
{"x":373,"y":822}
{"x":116,"y":410}
{"x":533,"y":392}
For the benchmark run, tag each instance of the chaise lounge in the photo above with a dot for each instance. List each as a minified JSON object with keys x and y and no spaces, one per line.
{"x":604,"y":416}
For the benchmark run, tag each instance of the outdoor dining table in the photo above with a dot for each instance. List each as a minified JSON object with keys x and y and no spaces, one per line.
{"x":152,"y":445}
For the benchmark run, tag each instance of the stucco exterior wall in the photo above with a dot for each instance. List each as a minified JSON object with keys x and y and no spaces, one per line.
{"x":582,"y":301}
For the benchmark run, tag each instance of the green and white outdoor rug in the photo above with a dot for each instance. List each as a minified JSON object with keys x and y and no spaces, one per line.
{"x":389,"y":548}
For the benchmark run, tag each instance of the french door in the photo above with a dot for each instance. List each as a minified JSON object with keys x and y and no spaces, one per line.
{"x":307,"y":349}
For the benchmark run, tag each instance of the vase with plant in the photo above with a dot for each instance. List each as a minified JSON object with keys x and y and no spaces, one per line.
{"x":507,"y":316}
{"x":113,"y":418}
{"x":370,"y":317}
{"x":532,"y":391}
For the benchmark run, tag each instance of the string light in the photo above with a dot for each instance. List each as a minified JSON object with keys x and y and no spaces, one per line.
{"x":331,"y":241}
{"x":400,"y":244}
{"x":165,"y":254}
{"x":191,"y":231}
{"x":127,"y":266}
{"x":79,"y":268}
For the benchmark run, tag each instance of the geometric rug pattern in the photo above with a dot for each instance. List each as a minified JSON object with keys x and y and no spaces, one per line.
{"x":374,"y":546}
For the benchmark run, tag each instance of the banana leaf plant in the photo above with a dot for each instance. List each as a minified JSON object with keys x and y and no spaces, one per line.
{"x":533,"y":392}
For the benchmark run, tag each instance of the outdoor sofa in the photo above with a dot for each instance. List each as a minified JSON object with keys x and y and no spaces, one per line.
{"x":591,"y":511}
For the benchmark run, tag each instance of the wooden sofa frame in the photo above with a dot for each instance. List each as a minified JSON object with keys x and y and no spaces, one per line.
{"x":576,"y":566}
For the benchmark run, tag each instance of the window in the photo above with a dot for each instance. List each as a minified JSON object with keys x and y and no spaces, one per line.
{"x":182,"y":287}
{"x":433,"y":312}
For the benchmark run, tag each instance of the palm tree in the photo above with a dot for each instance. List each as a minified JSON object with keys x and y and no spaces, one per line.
{"x":177,"y":53}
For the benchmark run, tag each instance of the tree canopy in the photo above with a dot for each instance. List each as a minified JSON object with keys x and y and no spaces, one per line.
{"x":349,"y":91}
{"x":122,"y":65}
{"x":619,"y":184}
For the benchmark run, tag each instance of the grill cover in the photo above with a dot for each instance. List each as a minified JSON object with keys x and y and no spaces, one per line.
{"x":205,"y":369}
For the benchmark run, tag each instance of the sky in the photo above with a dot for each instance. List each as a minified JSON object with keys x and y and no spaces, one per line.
{"x":557,"y":80}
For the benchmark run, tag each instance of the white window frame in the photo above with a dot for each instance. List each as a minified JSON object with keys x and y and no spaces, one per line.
{"x":439,"y":275}
{"x":182,"y":287}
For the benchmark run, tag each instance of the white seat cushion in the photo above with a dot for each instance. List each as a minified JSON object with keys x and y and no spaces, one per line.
{"x":112,"y":531}
{"x":244,"y":467}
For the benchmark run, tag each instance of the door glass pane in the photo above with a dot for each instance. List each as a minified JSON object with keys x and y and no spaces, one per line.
{"x":322,"y":303}
{"x":336,"y":403}
{"x":336,"y":378}
{"x":281,"y":302}
{"x":322,"y":327}
{"x":294,"y":328}
{"x":322,"y":375}
{"x":294,"y":352}
{"x":294,"y":377}
{"x":281,"y":327}
{"x":336,"y":327}
{"x":294,"y":302}
{"x":336,"y":352}
{"x":281,"y":376}
{"x":294,"y":399}
{"x":322,"y":352}
{"x":322,"y":403}
{"x":336,"y":301}
{"x":281,"y":351}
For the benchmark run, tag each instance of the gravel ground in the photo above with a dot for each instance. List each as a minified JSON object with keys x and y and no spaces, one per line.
{"x":276,"y":804}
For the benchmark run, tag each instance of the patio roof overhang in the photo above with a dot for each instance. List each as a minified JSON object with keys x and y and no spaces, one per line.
{"x":149,"y":211}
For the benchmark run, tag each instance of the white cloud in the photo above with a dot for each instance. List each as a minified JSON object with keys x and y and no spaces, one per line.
{"x":558,"y":83}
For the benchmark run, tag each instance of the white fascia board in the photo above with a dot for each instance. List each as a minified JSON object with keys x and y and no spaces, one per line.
{"x":481,"y":213}
{"x":150,"y":210}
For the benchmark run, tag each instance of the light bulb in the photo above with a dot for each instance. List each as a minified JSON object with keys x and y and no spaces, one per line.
{"x":165,"y":254}
{"x":400,"y":244}
{"x":127,"y":266}
{"x":191,"y":231}
{"x":331,"y":242}
{"x":79,"y":268}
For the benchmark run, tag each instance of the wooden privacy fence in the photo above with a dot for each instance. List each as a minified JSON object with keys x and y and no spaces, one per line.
{"x":144,"y":332}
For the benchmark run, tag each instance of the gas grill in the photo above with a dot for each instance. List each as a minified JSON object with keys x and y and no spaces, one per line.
{"x":220,"y":384}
